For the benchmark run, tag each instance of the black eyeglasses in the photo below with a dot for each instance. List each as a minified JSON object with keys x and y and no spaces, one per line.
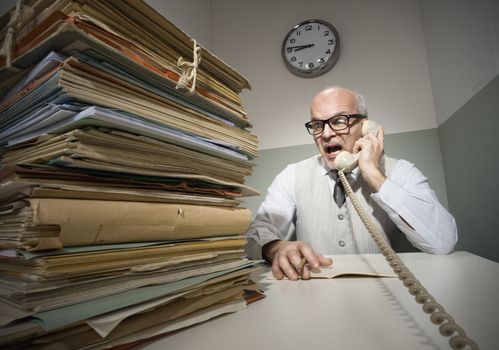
{"x":337,"y":123}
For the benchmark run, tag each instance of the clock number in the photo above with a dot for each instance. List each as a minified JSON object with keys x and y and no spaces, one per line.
{"x":326,"y":32}
{"x":292,"y":40}
{"x":293,"y":59}
{"x":328,"y":52}
{"x":330,"y":42}
{"x":310,"y":65}
{"x":298,"y":33}
{"x":289,"y":50}
{"x":321,"y":60}
{"x":308,"y":27}
{"x":301,"y":64}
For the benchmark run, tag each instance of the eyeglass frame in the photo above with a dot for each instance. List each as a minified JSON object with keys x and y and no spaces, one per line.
{"x":327,"y":121}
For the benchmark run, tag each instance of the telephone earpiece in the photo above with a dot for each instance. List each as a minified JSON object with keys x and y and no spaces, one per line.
{"x":369,"y":126}
{"x":347,"y":161}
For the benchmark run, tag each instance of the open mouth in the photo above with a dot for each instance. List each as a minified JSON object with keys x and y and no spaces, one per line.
{"x":333,"y":150}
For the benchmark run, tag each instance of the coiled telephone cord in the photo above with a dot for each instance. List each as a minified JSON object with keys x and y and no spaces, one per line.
{"x":437,"y":313}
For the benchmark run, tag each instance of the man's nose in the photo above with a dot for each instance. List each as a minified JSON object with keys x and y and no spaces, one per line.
{"x":328,"y":131}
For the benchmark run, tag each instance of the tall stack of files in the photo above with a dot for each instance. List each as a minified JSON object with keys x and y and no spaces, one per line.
{"x":120,"y":189}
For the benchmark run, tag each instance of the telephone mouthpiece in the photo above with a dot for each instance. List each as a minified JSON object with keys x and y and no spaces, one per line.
{"x":346,"y":161}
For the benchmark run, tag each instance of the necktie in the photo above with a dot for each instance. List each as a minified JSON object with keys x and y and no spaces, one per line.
{"x":339,"y":193}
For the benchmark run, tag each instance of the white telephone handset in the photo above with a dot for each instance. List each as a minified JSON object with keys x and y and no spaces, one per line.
{"x":347,"y":161}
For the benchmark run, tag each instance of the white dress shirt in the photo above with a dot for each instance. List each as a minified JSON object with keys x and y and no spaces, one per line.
{"x":406,"y":194}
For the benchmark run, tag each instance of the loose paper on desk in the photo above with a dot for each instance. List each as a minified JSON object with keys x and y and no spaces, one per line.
{"x":373,"y":265}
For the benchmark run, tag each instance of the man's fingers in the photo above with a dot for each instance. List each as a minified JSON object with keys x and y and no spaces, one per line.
{"x":288,"y":261}
{"x":310,"y":256}
{"x":381,"y":133}
{"x":305,"y":273}
{"x":276,"y":270}
{"x":295,"y":259}
{"x":356,"y":147}
{"x":287,"y":268}
{"x":325,"y":261}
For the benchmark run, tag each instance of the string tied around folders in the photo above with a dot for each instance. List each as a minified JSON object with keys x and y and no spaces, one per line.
{"x":18,"y":17}
{"x":187,"y":80}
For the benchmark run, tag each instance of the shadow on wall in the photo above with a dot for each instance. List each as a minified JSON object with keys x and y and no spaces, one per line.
{"x":473,"y":187}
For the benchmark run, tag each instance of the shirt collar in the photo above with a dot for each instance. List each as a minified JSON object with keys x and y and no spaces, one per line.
{"x":351,"y":176}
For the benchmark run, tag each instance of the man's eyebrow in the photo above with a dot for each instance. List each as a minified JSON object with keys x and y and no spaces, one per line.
{"x":333,"y":115}
{"x":339,"y":113}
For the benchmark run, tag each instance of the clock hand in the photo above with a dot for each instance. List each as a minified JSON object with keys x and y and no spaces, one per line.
{"x":298,"y":48}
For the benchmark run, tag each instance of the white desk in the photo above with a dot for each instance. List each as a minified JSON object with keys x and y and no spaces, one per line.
{"x":359,"y":313}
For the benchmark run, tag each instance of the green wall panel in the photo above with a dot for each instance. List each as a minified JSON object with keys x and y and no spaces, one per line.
{"x":470,"y":142}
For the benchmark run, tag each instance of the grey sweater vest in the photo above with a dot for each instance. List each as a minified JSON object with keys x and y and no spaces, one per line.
{"x":332,"y":230}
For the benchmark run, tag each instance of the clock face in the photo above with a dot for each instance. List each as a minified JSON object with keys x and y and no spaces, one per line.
{"x":311,"y":48}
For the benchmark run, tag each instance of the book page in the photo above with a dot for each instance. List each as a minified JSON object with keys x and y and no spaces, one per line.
{"x":373,"y":265}
{"x":356,"y":265}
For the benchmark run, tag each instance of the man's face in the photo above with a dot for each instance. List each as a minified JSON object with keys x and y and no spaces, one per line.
{"x":330,"y":103}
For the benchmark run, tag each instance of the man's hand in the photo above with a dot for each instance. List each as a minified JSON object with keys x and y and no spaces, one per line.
{"x":371,"y":148}
{"x":286,"y":257}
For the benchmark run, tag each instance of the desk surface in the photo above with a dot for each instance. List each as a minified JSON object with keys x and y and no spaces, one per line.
{"x":358,"y":312}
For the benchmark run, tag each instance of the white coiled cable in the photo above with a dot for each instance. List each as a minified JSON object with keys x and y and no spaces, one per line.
{"x":438,"y":316}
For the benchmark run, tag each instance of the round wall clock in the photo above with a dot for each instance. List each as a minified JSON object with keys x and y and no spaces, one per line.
{"x":311,"y":48}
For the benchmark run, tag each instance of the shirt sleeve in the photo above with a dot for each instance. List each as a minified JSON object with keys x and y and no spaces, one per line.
{"x":275,"y":217}
{"x":412,"y":205}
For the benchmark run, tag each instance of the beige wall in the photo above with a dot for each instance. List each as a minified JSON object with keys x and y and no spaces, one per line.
{"x":192,"y":16}
{"x":383,"y":56}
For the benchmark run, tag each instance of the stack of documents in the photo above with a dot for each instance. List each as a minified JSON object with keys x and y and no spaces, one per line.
{"x":120,"y":216}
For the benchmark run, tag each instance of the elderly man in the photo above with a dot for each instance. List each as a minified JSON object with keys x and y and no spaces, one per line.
{"x":307,"y":200}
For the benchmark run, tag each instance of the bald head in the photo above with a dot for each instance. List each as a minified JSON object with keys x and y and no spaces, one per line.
{"x":342,"y":95}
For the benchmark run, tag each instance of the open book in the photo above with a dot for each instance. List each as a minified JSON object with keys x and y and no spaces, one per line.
{"x":353,"y":265}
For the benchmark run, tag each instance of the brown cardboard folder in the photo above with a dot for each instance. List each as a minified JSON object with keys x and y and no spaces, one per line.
{"x":86,"y":222}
